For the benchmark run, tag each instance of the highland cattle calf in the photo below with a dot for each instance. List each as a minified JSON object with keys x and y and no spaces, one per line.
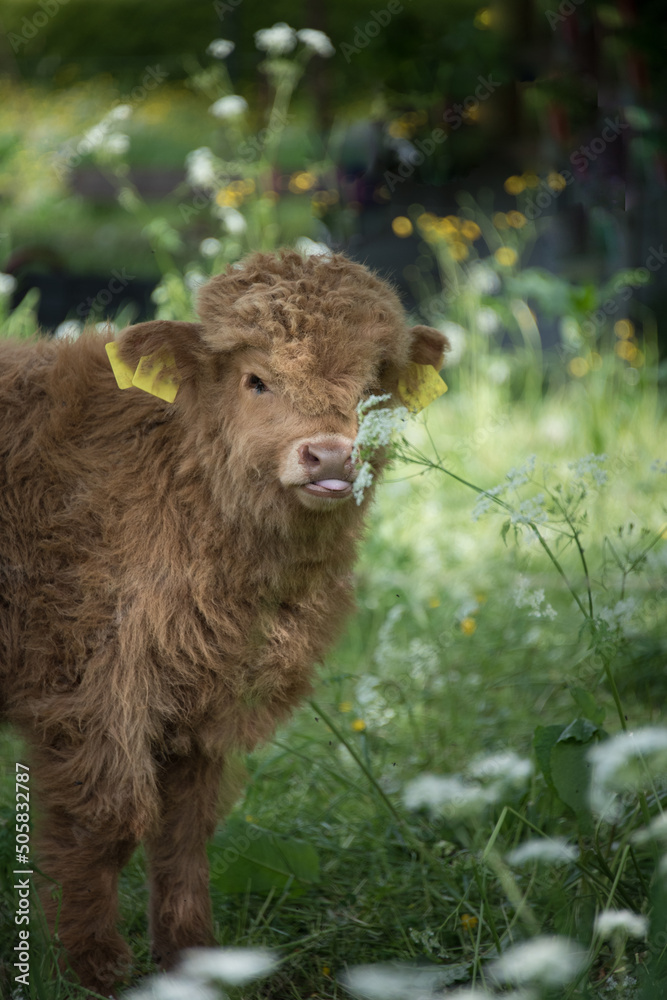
{"x":172,"y":568}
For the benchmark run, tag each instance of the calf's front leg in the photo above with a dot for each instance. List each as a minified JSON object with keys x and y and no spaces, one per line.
{"x":180,"y":904}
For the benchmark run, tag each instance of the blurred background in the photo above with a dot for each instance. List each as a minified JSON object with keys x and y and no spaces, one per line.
{"x":535,"y":125}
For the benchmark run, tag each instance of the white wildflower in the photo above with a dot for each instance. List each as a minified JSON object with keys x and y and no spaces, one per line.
{"x":521,"y":474}
{"x":487,"y":320}
{"x":69,"y":330}
{"x":608,"y":922}
{"x":106,"y":327}
{"x":120,"y":113}
{"x":362,"y":481}
{"x":232,"y":966}
{"x":210,"y":247}
{"x":317,"y":41}
{"x":229,"y":107}
{"x":483,"y":279}
{"x":200,"y":164}
{"x":506,"y":767}
{"x":590,"y":466}
{"x":220,"y":48}
{"x":534,"y":600}
{"x":456,"y":336}
{"x":485,"y":501}
{"x":394,"y":982}
{"x":626,"y":763}
{"x":173,"y":986}
{"x":232,"y":219}
{"x":194,"y":280}
{"x":656,"y":830}
{"x":376,"y":429}
{"x":619,"y":617}
{"x":498,"y":370}
{"x":550,"y":850}
{"x":277,"y":41}
{"x":7,"y":283}
{"x":447,"y":795}
{"x":309,"y":248}
{"x":117,"y":143}
{"x":529,"y":511}
{"x":552,"y":961}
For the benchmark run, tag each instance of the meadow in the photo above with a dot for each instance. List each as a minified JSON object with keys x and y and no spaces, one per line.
{"x":472,"y":803}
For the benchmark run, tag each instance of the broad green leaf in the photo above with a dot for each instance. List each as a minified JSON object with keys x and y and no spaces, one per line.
{"x":581,"y":731}
{"x":244,"y":857}
{"x":571,"y":771}
{"x":544,"y":740}
{"x":588,"y":705}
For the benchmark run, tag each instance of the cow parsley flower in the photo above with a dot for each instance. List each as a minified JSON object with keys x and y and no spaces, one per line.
{"x":483,"y":279}
{"x":316,"y":41}
{"x":7,"y":283}
{"x":210,"y":247}
{"x":524,"y":597}
{"x":626,"y":763}
{"x":277,"y":41}
{"x":309,"y":248}
{"x":590,"y":467}
{"x":232,"y":219}
{"x":232,"y":966}
{"x":200,"y":165}
{"x":551,"y":850}
{"x":173,"y":986}
{"x":552,"y":961}
{"x":120,"y":113}
{"x":69,"y":330}
{"x":220,"y":48}
{"x":487,"y":320}
{"x":229,"y":107}
{"x":376,"y":429}
{"x":608,"y":922}
{"x":117,"y":143}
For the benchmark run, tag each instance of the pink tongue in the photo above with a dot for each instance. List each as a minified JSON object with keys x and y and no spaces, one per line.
{"x":333,"y":484}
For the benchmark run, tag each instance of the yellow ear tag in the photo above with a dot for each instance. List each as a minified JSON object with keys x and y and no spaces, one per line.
{"x":122,"y":371}
{"x":151,"y":376}
{"x":419,"y":386}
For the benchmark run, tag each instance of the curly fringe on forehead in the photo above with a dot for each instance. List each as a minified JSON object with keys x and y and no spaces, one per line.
{"x":325,"y":323}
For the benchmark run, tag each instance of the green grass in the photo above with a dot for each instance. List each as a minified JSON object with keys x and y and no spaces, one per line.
{"x":441,"y":666}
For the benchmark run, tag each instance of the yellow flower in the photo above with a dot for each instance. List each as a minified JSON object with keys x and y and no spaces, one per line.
{"x":400,"y":129}
{"x":468,"y":626}
{"x":578,"y":367}
{"x":453,"y":221}
{"x":427,"y":220}
{"x":249,"y":818}
{"x":514,"y":184}
{"x":402,"y":226}
{"x":345,"y":706}
{"x":483,"y":19}
{"x":500,"y":220}
{"x":434,"y":602}
{"x":556,"y":181}
{"x":516,"y":219}
{"x":326,"y":971}
{"x":458,"y":250}
{"x":626,"y":350}
{"x":471,"y":230}
{"x":530,"y":180}
{"x":358,"y":725}
{"x":624,"y":329}
{"x":506,"y":256}
{"x":468,"y":922}
{"x":248,"y":185}
{"x":271,"y":196}
{"x":302,"y":181}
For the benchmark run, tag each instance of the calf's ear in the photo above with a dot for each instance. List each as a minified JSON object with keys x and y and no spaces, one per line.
{"x":182,"y":341}
{"x":428,"y":346}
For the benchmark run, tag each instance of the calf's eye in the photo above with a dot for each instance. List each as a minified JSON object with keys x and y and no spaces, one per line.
{"x":255,"y":383}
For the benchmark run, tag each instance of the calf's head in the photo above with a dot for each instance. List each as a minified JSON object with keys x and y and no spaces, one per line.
{"x":271,"y":377}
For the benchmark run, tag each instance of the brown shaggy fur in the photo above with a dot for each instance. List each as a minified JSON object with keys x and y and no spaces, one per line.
{"x":166,"y":582}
